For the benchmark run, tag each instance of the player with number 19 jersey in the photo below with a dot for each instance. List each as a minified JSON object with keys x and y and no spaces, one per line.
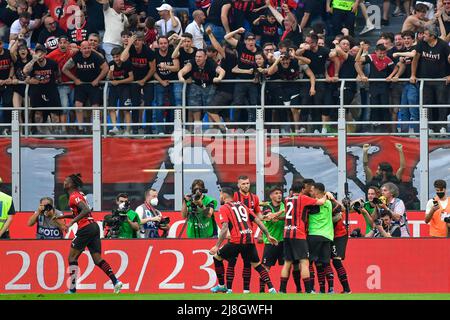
{"x":296,"y":218}
{"x":75,"y":198}
{"x":240,"y":222}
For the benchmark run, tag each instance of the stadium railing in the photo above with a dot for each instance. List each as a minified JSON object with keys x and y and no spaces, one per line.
{"x":99,"y":126}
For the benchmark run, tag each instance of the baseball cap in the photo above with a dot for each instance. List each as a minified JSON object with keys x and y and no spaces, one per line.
{"x":40,"y":47}
{"x":165,"y":6}
{"x":249,"y":35}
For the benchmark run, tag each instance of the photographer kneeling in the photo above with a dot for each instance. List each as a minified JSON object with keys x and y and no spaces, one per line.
{"x":198,"y":209}
{"x":123,"y":223}
{"x":48,"y":227}
{"x":385,"y":227}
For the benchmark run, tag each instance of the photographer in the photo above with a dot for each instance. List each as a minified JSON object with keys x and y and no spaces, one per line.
{"x":123,"y":223}
{"x":385,"y":227}
{"x":368,"y":209}
{"x":151,"y":218}
{"x":438,"y":211}
{"x":391,"y":203}
{"x":198,"y":209}
{"x":48,"y":227}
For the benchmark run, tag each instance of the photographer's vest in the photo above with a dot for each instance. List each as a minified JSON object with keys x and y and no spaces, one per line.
{"x":47,"y":229}
{"x":149,"y":229}
{"x":438,"y":228}
{"x":345,"y":5}
{"x":5,"y":205}
{"x":403,"y":222}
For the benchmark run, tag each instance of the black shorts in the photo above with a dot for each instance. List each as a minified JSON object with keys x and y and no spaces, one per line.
{"x":89,"y":236}
{"x":220,"y":98}
{"x":272,"y":254}
{"x":319,"y":249}
{"x":20,"y":89}
{"x":119,"y":94}
{"x":338,"y":247}
{"x":248,"y":252}
{"x":46,"y":98}
{"x":85,"y":92}
{"x":295,"y":249}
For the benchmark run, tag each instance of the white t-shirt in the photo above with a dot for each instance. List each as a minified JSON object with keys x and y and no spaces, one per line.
{"x":197,"y":34}
{"x":430,"y":205}
{"x":16,"y":28}
{"x":165,"y":27}
{"x":115,"y":23}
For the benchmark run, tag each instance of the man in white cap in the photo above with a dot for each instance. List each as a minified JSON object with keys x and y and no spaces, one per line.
{"x":168,"y":21}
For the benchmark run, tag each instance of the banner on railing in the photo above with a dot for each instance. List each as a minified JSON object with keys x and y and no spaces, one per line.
{"x":19,"y":229}
{"x":133,"y":165}
{"x":163,"y":266}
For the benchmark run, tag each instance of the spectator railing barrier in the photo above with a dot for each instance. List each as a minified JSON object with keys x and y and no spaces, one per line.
{"x":100,"y":125}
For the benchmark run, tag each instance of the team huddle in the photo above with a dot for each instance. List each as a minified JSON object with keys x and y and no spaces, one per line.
{"x":304,"y":231}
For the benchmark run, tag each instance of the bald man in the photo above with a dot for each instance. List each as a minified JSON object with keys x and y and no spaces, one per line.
{"x":196,"y":29}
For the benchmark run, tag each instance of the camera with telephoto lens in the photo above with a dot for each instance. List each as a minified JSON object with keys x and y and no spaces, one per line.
{"x":357,"y":205}
{"x":378,"y":222}
{"x":164,"y":222}
{"x":198,"y":193}
{"x":376,"y":201}
{"x":356,"y":233}
{"x":115,"y":220}
{"x":445,"y":217}
{"x":48,"y":207}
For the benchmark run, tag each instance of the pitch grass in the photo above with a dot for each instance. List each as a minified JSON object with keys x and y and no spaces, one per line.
{"x":235,"y":296}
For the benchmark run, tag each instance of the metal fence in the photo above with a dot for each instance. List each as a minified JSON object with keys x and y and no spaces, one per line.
{"x":99,"y":126}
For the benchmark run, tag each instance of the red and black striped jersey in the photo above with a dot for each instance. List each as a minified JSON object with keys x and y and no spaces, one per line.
{"x":339,"y":227}
{"x":296,"y":217}
{"x":240,"y":222}
{"x":250,"y":201}
{"x":75,"y":198}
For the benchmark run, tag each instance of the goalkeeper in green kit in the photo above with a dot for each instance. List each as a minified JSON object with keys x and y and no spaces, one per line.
{"x":275,"y":226}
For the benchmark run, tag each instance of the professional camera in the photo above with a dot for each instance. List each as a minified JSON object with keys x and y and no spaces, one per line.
{"x":48,"y":207}
{"x":378,"y":222}
{"x":198,"y":193}
{"x":115,"y":220}
{"x":164,"y":222}
{"x":376,"y":201}
{"x":357,"y":205}
{"x":446,"y":217}
{"x":356,"y":233}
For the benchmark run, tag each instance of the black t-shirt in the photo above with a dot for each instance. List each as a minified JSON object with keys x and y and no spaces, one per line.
{"x":269,"y":32}
{"x":163,"y":73}
{"x":18,"y":68}
{"x":140,"y":61}
{"x":50,"y":39}
{"x":303,"y":6}
{"x":7,"y":16}
{"x":185,"y":57}
{"x":295,"y":36}
{"x":38,"y":11}
{"x":318,"y":60}
{"x":347,"y":69}
{"x":203,"y":76}
{"x":292,"y":72}
{"x":227,"y":64}
{"x":80,"y":35}
{"x":407,"y":62}
{"x":246,"y":60}
{"x":95,"y":10}
{"x":433,"y":62}
{"x":88,"y":69}
{"x":120,"y":72}
{"x":215,"y":12}
{"x":5,"y":64}
{"x":47,"y":73}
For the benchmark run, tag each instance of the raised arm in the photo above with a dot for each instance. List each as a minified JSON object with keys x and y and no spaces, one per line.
{"x":402,"y":166}
{"x":275,"y":12}
{"x":229,"y":37}
{"x":214,"y":42}
{"x":125,"y":55}
{"x":367,"y":170}
{"x":224,"y":17}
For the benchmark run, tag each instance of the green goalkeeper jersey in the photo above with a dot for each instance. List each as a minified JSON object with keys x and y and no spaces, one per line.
{"x":321,"y":223}
{"x":276,"y":229}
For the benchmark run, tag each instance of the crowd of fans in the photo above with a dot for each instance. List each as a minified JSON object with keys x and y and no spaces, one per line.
{"x":147,"y":49}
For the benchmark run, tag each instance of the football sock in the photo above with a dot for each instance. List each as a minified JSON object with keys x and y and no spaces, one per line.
{"x":321,"y":277}
{"x":264,"y":275}
{"x":296,"y":276}
{"x":311,"y":275}
{"x":283,"y":284}
{"x":108,"y":270}
{"x":73,"y":272}
{"x":218,"y":266}
{"x":246,"y":276}
{"x":307,"y":284}
{"x":329,"y":275}
{"x":342,"y":274}
{"x":262,"y":285}
{"x":230,"y":272}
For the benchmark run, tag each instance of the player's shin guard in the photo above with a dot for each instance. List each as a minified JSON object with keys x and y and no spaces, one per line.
{"x":247,"y":275}
{"x":264,"y":275}
{"x":218,"y":266}
{"x":330,"y":276}
{"x":311,"y":275}
{"x":342,"y":274}
{"x":296,"y":276}
{"x":108,"y":270}
{"x":321,"y":277}
{"x":73,"y":273}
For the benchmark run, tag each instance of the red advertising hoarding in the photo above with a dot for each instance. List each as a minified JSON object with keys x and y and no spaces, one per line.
{"x":170,"y":265}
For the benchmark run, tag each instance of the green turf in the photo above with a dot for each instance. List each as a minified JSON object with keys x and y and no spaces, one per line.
{"x":206,"y":296}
